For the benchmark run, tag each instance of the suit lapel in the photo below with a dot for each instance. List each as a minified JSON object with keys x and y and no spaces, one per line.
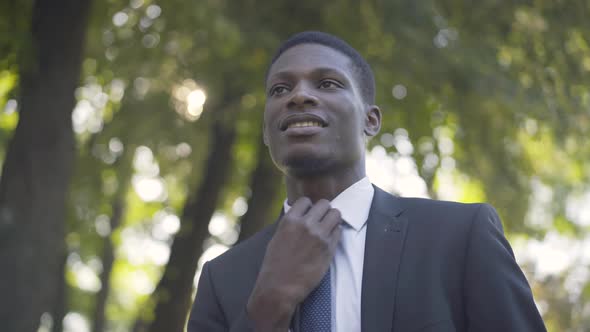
{"x":386,"y":232}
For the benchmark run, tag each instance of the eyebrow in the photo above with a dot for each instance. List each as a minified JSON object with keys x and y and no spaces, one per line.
{"x":321,"y":71}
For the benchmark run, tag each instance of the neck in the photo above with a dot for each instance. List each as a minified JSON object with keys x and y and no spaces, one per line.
{"x":325,"y":186}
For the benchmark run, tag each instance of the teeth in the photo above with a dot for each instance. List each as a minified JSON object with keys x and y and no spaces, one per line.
{"x":305,"y":124}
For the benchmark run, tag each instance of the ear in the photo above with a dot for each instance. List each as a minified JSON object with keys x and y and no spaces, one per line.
{"x":372,"y":120}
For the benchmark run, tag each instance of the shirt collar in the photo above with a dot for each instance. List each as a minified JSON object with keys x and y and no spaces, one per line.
{"x":354,"y":203}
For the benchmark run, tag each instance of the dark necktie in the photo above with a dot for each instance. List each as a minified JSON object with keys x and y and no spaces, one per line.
{"x":316,"y":309}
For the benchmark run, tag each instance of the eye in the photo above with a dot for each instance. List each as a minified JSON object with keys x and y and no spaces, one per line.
{"x":329,"y":84}
{"x":278,"y":90}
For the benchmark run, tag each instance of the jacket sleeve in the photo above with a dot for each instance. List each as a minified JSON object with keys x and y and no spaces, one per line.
{"x":497,"y":294}
{"x":207,"y":314}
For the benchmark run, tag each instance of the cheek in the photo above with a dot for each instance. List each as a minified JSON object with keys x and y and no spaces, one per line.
{"x":350,"y":140}
{"x":268,"y":110}
{"x":355,"y":136}
{"x":265,"y":117}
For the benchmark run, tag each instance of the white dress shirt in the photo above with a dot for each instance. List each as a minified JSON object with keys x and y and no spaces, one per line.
{"x":346,"y":268}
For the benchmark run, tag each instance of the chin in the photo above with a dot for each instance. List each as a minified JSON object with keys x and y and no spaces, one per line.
{"x":307,"y":166}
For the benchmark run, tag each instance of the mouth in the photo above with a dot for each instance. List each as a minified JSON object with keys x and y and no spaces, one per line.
{"x":302,"y":121}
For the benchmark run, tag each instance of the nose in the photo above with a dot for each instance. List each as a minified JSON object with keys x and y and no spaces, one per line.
{"x":301,"y":96}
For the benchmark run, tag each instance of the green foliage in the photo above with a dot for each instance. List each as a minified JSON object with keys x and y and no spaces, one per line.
{"x":505,"y":85}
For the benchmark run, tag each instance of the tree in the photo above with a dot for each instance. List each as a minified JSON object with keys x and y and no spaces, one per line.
{"x":265,"y":186}
{"x":453,"y":81}
{"x":37,"y":166}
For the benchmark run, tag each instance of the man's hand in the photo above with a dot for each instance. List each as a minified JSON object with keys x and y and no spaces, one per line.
{"x":296,"y":259}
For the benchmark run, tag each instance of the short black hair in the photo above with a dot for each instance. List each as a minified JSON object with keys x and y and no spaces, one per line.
{"x":364,"y":74}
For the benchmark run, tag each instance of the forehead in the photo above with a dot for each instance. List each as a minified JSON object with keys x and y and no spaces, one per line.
{"x":309,"y":57}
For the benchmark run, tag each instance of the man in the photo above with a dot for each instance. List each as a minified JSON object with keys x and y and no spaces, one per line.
{"x":345,"y":255}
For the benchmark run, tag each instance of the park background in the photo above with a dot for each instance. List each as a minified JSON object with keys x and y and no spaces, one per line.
{"x":131,"y":150}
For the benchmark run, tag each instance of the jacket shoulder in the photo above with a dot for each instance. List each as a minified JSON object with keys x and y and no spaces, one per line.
{"x":421,"y":203}
{"x":446,"y":208}
{"x":448,"y":213}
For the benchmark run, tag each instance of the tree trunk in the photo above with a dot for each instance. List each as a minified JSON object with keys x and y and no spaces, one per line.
{"x":173,"y":293}
{"x":59,"y":308}
{"x":265,"y":186}
{"x":37,"y":166}
{"x":107,"y":258}
{"x":124,"y":171}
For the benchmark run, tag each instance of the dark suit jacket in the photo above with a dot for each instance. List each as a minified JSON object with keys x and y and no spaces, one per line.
{"x":429,"y":266}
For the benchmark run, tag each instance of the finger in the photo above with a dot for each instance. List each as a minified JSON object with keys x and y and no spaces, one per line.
{"x":330,"y":221}
{"x":317,"y":212}
{"x":300,"y":207}
{"x":335,"y":237}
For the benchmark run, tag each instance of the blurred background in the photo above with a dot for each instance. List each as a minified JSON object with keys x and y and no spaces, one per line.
{"x":131,"y":150}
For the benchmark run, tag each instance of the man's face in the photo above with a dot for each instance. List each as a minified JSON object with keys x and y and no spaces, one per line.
{"x":315,"y":119}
